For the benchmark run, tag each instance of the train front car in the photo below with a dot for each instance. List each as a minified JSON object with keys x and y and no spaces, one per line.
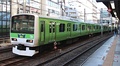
{"x":22,"y":34}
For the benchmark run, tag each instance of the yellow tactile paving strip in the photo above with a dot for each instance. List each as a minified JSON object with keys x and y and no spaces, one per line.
{"x":110,"y":56}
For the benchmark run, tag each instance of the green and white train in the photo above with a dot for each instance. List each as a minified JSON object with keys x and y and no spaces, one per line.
{"x":30,"y":31}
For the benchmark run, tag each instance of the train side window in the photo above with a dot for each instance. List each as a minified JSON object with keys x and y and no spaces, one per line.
{"x":83,"y":27}
{"x":68,"y":27}
{"x":93,"y":28}
{"x":42,"y":26}
{"x":61,"y":27}
{"x":74,"y":27}
{"x":79,"y":26}
{"x":54,"y":27}
{"x":89,"y":27}
{"x":50,"y":28}
{"x":96,"y":27}
{"x":99,"y":27}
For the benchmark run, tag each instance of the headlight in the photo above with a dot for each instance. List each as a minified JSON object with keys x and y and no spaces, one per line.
{"x":14,"y":39}
{"x":30,"y":41}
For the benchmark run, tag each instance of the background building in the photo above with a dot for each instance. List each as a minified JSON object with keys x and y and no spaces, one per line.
{"x":72,"y":12}
{"x":55,"y":8}
{"x":106,"y":17}
{"x":27,"y":6}
{"x":52,"y":8}
{"x":87,"y":9}
{"x":41,"y":7}
{"x":4,"y":17}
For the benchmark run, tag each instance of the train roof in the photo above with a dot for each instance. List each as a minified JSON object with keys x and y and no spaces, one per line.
{"x":62,"y":18}
{"x":59,"y":18}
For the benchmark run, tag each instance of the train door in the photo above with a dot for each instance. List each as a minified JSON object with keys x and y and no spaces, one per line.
{"x":42,"y":34}
{"x":52,"y":31}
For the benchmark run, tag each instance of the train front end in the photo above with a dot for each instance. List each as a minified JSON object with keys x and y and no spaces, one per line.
{"x":22,"y":34}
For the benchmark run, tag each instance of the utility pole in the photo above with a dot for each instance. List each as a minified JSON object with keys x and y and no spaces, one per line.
{"x":101,"y":19}
{"x":111,"y":21}
{"x":10,"y":8}
{"x":24,"y":6}
{"x":84,"y":15}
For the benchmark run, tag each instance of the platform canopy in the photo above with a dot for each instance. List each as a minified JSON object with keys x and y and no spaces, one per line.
{"x":108,"y":4}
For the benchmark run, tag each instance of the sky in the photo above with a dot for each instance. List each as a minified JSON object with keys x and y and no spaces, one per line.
{"x":101,"y":5}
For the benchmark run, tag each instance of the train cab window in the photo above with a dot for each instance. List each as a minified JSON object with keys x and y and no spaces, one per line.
{"x":83,"y":27}
{"x":61,"y":27}
{"x":23,"y":24}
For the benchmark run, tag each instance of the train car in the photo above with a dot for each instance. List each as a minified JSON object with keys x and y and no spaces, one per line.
{"x":29,"y":32}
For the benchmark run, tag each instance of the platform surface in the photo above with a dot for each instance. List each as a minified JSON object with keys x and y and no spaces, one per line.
{"x":101,"y":56}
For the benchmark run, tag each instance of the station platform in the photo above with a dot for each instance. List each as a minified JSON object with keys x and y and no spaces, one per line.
{"x":107,"y":55}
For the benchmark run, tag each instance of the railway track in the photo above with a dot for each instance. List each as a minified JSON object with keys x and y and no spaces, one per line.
{"x":52,"y":58}
{"x":7,"y":49}
{"x":69,"y":56}
{"x":4,"y":49}
{"x":3,"y":39}
{"x":85,"y":54}
{"x":11,"y":61}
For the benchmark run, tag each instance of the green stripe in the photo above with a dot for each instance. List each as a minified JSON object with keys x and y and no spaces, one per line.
{"x":20,"y":35}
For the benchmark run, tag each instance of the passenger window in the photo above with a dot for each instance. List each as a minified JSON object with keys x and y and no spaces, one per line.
{"x":80,"y":27}
{"x":61,"y":27}
{"x":42,"y":26}
{"x":74,"y":27}
{"x":83,"y":27}
{"x":50,"y":28}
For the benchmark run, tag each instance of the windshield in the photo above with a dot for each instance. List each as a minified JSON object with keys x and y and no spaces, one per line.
{"x":22,"y":24}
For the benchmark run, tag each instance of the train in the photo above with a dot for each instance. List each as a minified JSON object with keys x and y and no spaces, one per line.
{"x":28,"y":32}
